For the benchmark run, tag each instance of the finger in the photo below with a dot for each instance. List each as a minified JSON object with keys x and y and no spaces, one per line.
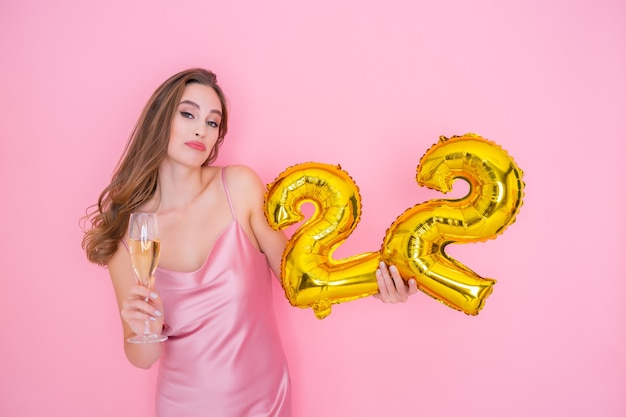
{"x":147,"y":295}
{"x":385,"y":284}
{"x":382,"y":287}
{"x":395,"y":284}
{"x":135,"y":316}
{"x":147,"y":309}
{"x":143,"y":292}
{"x":400,"y":287}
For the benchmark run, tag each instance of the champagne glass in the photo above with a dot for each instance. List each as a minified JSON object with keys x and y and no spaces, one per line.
{"x":144,"y":248}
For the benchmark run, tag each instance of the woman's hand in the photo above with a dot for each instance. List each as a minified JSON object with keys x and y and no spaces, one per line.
{"x":143,"y":305}
{"x":391,"y":287}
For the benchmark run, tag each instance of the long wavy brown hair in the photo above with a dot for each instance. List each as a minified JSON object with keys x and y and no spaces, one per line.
{"x":137,"y":173}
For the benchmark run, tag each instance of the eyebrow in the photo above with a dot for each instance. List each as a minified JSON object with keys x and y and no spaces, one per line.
{"x":194,"y":104}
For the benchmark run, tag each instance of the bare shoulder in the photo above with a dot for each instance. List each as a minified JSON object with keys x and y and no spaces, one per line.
{"x":247,"y":193}
{"x":243,"y":179}
{"x":241,"y":171}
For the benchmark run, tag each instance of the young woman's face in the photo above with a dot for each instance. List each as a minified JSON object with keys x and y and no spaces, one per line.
{"x":195,"y":125}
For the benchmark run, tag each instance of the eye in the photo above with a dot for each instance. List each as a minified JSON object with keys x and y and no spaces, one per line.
{"x":186,"y":115}
{"x":212,"y":123}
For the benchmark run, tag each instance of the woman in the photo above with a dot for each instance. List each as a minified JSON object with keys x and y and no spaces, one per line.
{"x":213,"y":283}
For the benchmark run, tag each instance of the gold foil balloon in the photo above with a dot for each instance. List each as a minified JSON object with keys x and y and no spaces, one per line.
{"x":415,"y":242}
{"x":310,"y":275}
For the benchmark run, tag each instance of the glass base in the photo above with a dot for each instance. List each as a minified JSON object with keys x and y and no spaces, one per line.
{"x":147,"y":338}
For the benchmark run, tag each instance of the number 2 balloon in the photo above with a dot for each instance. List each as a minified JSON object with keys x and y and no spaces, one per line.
{"x":416,"y":240}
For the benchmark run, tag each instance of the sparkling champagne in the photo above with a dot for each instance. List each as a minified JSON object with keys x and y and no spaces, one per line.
{"x":144,"y":256}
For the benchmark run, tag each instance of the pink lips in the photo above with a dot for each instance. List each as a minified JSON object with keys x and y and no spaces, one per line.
{"x":196,"y":145}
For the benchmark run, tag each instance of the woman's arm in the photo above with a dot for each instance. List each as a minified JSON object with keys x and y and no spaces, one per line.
{"x":134,"y":310}
{"x":248,"y":194}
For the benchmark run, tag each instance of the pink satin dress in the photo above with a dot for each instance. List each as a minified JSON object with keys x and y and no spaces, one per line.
{"x":224,"y":356}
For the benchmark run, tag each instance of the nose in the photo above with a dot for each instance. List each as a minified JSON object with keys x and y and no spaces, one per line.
{"x":201,"y":130}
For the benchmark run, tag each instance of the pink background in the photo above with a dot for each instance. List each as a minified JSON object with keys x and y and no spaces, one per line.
{"x":370,"y":85}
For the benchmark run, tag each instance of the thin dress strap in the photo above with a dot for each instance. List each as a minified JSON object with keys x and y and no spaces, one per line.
{"x":230,"y":203}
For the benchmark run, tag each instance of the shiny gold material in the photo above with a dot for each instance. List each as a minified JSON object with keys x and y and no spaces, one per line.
{"x":415,"y":242}
{"x":310,"y":275}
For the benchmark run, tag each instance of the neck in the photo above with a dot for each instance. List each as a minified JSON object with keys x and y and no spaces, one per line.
{"x":179,"y":186}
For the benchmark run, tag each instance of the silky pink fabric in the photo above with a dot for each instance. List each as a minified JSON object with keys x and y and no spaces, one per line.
{"x":224,"y":356}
